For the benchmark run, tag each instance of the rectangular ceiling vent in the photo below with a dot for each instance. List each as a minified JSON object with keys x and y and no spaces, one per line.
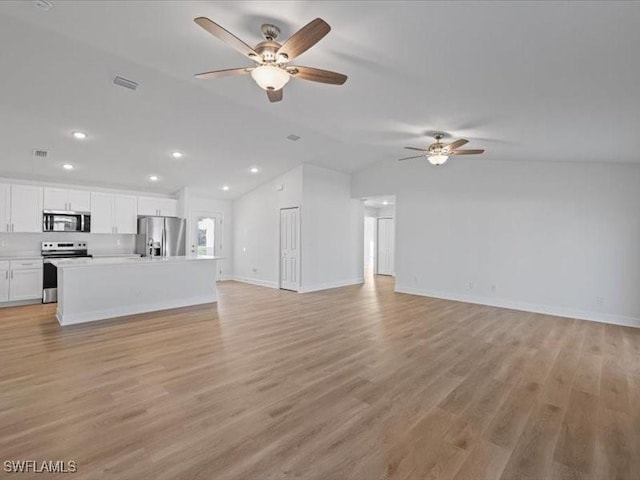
{"x":123,"y":82}
{"x":40,"y":153}
{"x":293,"y":138}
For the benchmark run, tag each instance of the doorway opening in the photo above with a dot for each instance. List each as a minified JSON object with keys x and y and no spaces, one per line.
{"x":206,"y":236}
{"x":379,"y":236}
{"x":290,"y":249}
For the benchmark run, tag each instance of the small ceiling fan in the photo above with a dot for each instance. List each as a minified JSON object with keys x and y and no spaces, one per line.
{"x":437,"y":153}
{"x":271,"y":70}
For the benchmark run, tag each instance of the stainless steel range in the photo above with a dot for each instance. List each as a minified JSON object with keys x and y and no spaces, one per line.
{"x":57,"y":250}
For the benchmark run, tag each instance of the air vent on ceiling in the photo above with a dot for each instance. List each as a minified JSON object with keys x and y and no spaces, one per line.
{"x":293,"y":138}
{"x":40,"y":153}
{"x":123,"y":82}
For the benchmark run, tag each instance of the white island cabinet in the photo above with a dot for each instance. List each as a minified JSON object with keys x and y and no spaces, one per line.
{"x":92,"y":289}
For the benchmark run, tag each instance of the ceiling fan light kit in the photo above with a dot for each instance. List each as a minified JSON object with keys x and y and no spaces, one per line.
{"x":271,"y":70}
{"x":438,"y":153}
{"x":270,"y":77}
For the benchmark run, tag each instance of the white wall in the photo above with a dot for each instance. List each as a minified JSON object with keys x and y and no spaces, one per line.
{"x":388,"y":211}
{"x":332,"y":230}
{"x":369,"y":242}
{"x":257,"y":228}
{"x":560,"y":238}
{"x":195,"y":201}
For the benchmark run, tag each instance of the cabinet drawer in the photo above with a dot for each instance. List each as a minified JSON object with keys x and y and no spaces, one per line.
{"x":24,"y":264}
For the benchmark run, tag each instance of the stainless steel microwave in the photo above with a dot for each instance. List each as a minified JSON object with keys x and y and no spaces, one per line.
{"x":61,"y":221}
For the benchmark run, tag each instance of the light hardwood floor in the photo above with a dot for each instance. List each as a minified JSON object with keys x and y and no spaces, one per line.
{"x":353,"y":383}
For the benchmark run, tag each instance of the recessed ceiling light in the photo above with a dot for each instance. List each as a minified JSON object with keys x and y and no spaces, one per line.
{"x":254,"y":170}
{"x":153,"y":178}
{"x":225,"y":188}
{"x":68,"y":166}
{"x":385,"y":203}
{"x":177,"y":154}
{"x":79,"y":135}
{"x":293,"y":138}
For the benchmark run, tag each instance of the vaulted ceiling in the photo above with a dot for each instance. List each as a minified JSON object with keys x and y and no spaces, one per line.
{"x":538,"y":81}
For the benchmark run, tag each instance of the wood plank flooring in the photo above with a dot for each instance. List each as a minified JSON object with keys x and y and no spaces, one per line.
{"x":353,"y":383}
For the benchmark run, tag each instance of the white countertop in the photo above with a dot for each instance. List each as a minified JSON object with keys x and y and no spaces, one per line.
{"x":96,"y":262}
{"x":20,"y":256}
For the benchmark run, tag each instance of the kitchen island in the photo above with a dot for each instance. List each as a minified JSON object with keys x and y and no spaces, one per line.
{"x":91,"y":289}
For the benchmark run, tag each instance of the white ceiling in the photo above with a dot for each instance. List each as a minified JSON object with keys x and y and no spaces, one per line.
{"x":551,"y":81}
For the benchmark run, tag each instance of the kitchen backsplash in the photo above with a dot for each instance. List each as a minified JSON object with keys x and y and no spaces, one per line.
{"x":28,"y":242}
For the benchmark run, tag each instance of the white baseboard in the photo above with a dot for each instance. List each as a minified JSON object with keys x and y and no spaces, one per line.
{"x":526,"y":307}
{"x":328,"y":285}
{"x":122,"y":311}
{"x":255,"y":281}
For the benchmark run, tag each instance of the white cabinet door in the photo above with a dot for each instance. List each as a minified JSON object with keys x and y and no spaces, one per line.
{"x":4,"y":282}
{"x":5,"y":207}
{"x":25,"y":284}
{"x":148,"y":206}
{"x":102,"y":213}
{"x":56,"y":199}
{"x":168,"y":207}
{"x":26,"y":208}
{"x":157,"y":207}
{"x":79,"y":201}
{"x":125,"y":214}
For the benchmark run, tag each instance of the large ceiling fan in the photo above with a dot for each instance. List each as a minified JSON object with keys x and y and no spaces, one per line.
{"x":271,"y":70}
{"x":437,"y":153}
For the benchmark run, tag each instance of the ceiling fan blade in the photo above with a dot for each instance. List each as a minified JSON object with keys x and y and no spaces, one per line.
{"x":466,"y":152}
{"x":409,"y":158}
{"x":317,"y":75}
{"x":457,"y":144}
{"x":227,"y":37}
{"x":419,"y":149}
{"x":230,"y":72}
{"x":274,"y":95}
{"x":304,"y":39}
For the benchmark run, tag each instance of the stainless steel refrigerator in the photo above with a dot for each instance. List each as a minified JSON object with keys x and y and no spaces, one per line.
{"x":161,"y":236}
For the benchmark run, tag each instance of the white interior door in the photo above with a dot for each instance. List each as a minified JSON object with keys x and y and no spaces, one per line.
{"x":385,"y":256}
{"x":290,"y":248}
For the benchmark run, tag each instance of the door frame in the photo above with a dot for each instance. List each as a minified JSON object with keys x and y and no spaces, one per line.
{"x":218,"y":240}
{"x":299,"y":248}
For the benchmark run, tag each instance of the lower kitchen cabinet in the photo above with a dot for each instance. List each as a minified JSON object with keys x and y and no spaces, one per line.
{"x":20,"y":280}
{"x":4,"y":281}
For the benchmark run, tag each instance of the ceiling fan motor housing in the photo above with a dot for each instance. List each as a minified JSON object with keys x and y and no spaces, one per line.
{"x":267,"y":50}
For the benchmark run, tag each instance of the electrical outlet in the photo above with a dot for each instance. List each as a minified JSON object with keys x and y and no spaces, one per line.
{"x":600,"y":300}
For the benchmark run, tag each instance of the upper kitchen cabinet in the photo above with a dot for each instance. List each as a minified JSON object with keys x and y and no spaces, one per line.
{"x":26,"y":209}
{"x":102,"y":213}
{"x":113,"y":213}
{"x":125,"y":218}
{"x":67,"y":200}
{"x":5,"y":207}
{"x":157,"y":207}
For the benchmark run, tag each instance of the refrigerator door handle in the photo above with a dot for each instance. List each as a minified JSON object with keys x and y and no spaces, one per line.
{"x":164,"y":242}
